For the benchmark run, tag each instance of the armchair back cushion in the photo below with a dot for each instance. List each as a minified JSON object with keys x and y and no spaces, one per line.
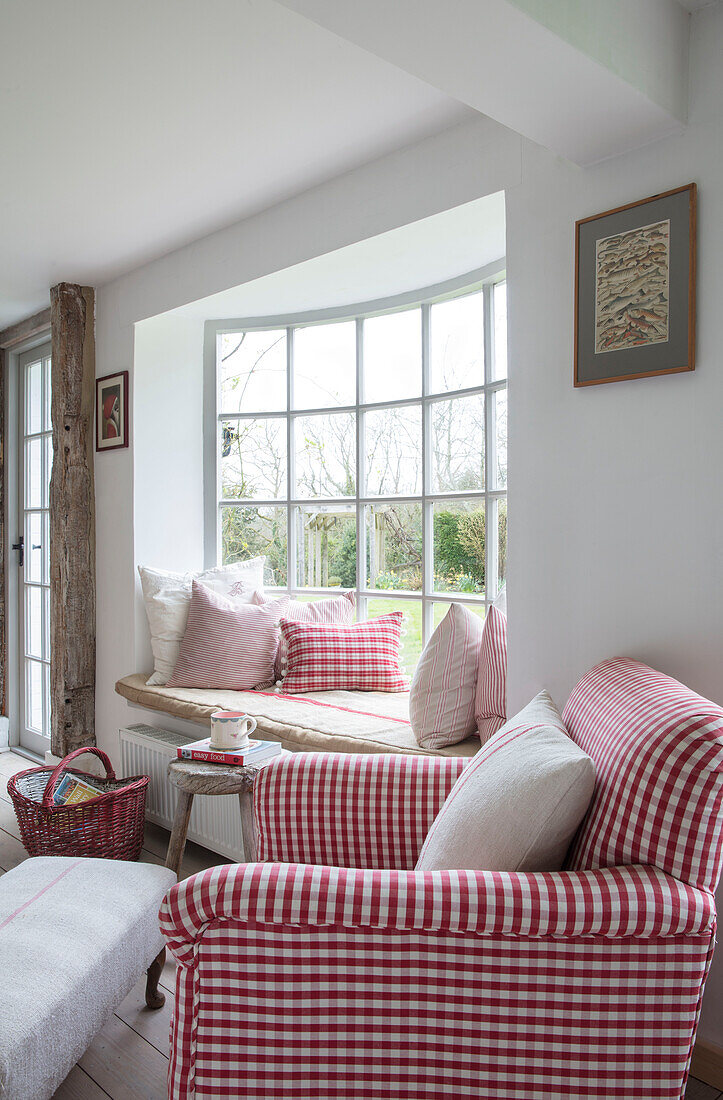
{"x":370,"y":810}
{"x":658,"y":754}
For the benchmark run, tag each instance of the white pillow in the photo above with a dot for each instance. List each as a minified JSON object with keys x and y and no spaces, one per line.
{"x":442,"y":695}
{"x":518,"y":804}
{"x":167,"y":597}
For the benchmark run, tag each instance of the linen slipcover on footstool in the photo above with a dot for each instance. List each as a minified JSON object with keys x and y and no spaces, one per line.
{"x":75,"y":936}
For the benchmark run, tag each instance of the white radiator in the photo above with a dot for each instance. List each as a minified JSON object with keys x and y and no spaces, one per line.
{"x":215,"y":819}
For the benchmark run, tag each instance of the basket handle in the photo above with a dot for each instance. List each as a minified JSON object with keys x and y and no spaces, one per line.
{"x":55,"y":777}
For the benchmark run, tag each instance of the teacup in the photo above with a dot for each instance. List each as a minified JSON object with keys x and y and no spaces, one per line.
{"x":230,"y":729}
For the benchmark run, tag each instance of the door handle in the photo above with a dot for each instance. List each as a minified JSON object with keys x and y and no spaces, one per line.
{"x":20,"y":547}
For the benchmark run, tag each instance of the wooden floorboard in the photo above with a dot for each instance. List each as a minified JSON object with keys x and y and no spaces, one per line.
{"x":151,"y":1024}
{"x":79,"y":1086}
{"x":124,"y":1064}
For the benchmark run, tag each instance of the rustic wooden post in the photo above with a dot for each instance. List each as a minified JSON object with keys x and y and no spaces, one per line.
{"x":72,"y":520}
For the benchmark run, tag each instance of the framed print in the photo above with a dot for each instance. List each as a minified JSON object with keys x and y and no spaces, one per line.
{"x":635,"y":289}
{"x":111,"y":412}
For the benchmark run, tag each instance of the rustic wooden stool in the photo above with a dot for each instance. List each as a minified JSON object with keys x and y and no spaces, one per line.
{"x":193,"y":777}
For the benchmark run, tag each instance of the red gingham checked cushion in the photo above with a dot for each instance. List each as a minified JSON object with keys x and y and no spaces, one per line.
{"x":362,"y":657}
{"x":658,"y":753}
{"x":337,"y":609}
{"x":227,"y":645}
{"x":490,"y":705}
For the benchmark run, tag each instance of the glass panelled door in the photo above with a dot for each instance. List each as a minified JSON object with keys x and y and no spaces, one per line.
{"x":32,"y":548}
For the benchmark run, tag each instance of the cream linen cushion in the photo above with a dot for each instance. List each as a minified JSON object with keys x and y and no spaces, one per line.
{"x":517,"y":805}
{"x":167,"y":598}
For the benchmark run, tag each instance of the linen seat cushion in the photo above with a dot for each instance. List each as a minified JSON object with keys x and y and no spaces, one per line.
{"x":517,"y":805}
{"x":167,"y":599}
{"x":75,"y":936}
{"x":442,"y":695}
{"x":227,"y":645}
{"x":658,"y":753}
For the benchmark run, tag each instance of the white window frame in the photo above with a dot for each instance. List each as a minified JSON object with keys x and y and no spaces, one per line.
{"x":483,"y":279}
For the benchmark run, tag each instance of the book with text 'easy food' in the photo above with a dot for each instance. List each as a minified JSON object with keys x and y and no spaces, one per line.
{"x":206,"y":753}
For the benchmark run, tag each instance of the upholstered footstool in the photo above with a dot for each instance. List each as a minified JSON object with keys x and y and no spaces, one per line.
{"x":75,"y":937}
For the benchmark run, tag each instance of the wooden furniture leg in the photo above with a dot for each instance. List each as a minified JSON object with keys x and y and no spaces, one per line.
{"x":154,"y":997}
{"x":177,"y":843}
{"x":248,"y":826}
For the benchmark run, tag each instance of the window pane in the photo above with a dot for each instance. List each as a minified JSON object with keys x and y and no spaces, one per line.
{"x":247,"y":532}
{"x":456,"y":343}
{"x":325,"y":366}
{"x":501,"y":543}
{"x":34,"y":546}
{"x":458,"y":437}
{"x":34,"y":473}
{"x":459,"y":546}
{"x":441,"y":609}
{"x":48,"y":394}
{"x":325,"y":546}
{"x":393,"y":445}
{"x":34,"y":696}
{"x":34,"y":398}
{"x":252,"y":371}
{"x":394,"y":546}
{"x":325,"y":455}
{"x":393,"y":356}
{"x":501,"y":430}
{"x":410,"y":648}
{"x":33,"y":621}
{"x":253,"y":459}
{"x":48,"y":456}
{"x":499,"y":297}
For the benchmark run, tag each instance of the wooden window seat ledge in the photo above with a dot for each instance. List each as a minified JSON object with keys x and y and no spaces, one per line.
{"x":325,"y":721}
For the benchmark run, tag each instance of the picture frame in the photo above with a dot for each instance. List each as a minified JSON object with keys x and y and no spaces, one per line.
{"x":635,"y":289}
{"x":111,"y":411}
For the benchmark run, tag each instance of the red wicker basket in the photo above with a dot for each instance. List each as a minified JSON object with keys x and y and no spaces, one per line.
{"x":108,"y":827}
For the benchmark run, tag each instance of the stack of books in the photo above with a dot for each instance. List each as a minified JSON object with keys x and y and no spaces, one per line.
{"x":204,"y":751}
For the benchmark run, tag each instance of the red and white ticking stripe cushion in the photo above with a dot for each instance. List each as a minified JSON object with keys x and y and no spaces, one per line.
{"x":490,"y":705}
{"x":337,"y":609}
{"x":227,"y":645}
{"x":442,"y":696}
{"x":361,"y":657}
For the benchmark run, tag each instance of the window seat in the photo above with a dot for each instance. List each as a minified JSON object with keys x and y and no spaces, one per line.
{"x":324,"y":721}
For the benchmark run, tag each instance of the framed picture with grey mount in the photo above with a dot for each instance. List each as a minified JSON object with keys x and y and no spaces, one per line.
{"x":111,"y":412}
{"x":635,"y":289}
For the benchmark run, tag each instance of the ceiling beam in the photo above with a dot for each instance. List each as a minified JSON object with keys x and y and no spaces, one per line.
{"x":25,"y":330}
{"x":587,"y":80}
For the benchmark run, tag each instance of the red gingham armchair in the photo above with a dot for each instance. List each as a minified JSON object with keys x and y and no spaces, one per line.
{"x":334,"y":970}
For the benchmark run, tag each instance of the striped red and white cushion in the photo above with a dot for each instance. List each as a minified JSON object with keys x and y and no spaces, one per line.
{"x":490,"y":705}
{"x":442,"y":696}
{"x":337,"y":609}
{"x":227,"y":645}
{"x":658,"y":753}
{"x":361,"y":657}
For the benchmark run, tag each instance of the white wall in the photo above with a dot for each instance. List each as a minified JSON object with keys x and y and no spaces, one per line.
{"x":616,"y":528}
{"x":615,"y":502}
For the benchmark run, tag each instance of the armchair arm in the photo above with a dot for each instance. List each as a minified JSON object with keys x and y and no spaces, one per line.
{"x":632,"y":901}
{"x":344,"y":810}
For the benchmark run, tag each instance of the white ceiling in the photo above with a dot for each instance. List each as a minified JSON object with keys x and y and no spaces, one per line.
{"x":128,"y":129}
